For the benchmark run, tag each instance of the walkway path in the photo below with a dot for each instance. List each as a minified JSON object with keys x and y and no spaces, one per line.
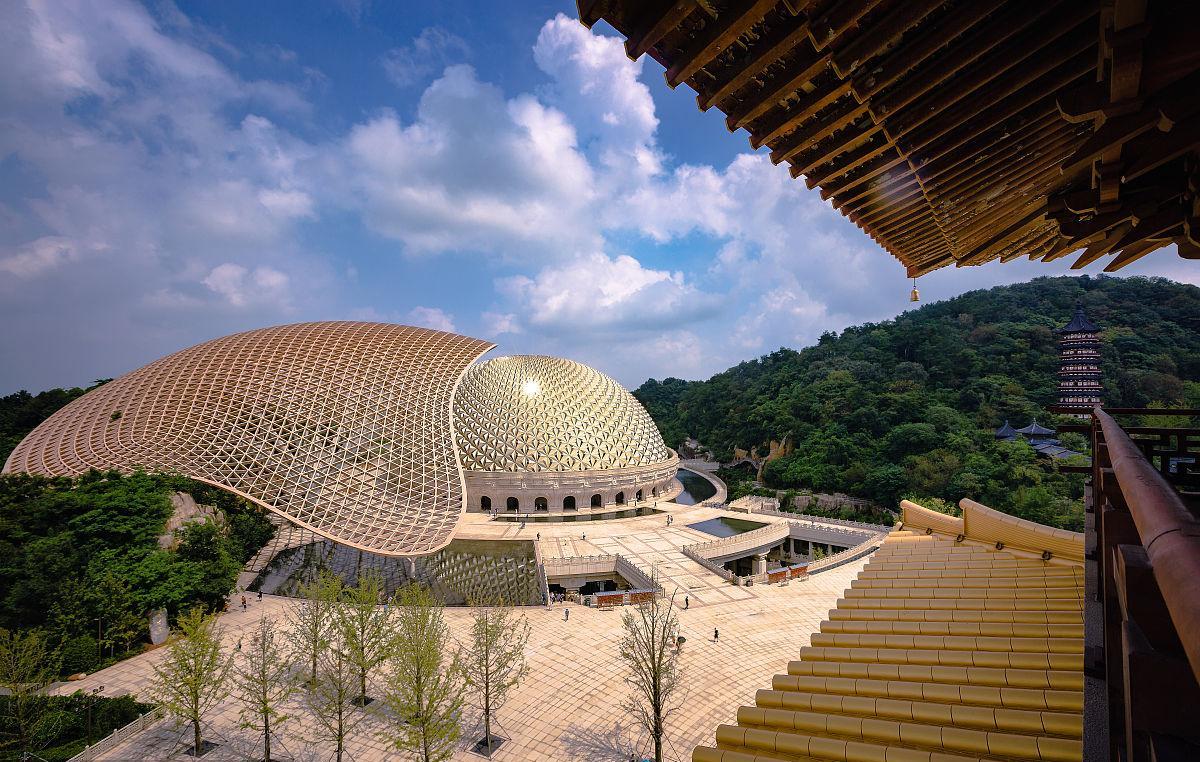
{"x":569,"y":707}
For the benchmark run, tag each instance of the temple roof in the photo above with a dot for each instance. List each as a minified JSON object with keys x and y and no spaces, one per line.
{"x":955,"y":132}
{"x":1034,"y":430}
{"x":943,"y":648}
{"x":1079,"y":324}
{"x":1006,"y":432}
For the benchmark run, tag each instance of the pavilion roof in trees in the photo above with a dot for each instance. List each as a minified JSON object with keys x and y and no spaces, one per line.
{"x":1034,"y":430}
{"x":957,"y":132}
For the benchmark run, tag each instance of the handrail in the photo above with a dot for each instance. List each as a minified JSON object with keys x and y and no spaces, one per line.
{"x":1168,"y":531}
{"x":120,"y":735}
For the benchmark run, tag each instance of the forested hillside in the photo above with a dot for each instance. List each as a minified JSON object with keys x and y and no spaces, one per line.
{"x":908,"y":407}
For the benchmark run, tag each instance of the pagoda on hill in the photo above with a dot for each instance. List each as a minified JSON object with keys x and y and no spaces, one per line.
{"x":1079,"y":377}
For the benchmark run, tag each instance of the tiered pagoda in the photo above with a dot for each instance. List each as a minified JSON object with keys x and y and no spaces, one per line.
{"x":1079,"y":377}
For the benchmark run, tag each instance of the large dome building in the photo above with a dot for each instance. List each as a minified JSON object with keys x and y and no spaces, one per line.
{"x":546,"y":434}
{"x":372,"y":435}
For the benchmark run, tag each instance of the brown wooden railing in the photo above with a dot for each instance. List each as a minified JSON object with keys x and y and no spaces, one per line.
{"x":1144,"y":536}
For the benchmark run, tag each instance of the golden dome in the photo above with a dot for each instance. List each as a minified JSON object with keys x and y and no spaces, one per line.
{"x":535,"y":413}
{"x":342,"y":427}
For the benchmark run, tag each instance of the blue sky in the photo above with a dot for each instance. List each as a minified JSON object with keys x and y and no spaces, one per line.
{"x":170,"y":173}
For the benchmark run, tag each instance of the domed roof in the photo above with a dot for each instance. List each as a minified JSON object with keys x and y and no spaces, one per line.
{"x":342,"y":427}
{"x":534,"y":413}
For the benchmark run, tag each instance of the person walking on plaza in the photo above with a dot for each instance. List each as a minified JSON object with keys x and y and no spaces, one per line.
{"x":686,"y":601}
{"x":566,"y":615}
{"x":539,"y":536}
{"x":243,"y":603}
{"x":716,"y":635}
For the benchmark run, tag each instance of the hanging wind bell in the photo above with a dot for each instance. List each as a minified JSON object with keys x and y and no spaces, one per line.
{"x":914,"y":295}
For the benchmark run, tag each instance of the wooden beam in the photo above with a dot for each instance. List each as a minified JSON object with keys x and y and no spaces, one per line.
{"x":838,"y":18}
{"x":875,"y":39}
{"x":819,"y":129}
{"x":870,"y":172}
{"x":961,"y":54}
{"x":1134,"y":253}
{"x":789,"y":117}
{"x":852,"y":161}
{"x":1155,"y":227}
{"x":803,"y":69}
{"x":1152,"y":150}
{"x":1025,"y":100}
{"x":764,"y":53}
{"x":716,"y":35}
{"x":981,"y":152}
{"x":654,"y":28}
{"x":1047,"y":45}
{"x":1097,"y":249}
{"x":832,"y":148}
{"x":895,"y":65}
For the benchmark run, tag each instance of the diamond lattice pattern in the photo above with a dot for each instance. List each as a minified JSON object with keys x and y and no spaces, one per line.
{"x":342,"y":427}
{"x":535,"y":413}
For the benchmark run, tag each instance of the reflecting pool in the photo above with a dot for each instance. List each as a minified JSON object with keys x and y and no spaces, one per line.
{"x":696,"y":489}
{"x":723,"y":526}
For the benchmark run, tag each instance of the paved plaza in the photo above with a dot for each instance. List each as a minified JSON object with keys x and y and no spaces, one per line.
{"x":570,"y":705}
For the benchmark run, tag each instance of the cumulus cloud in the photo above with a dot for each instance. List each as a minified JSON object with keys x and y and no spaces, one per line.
{"x":597,"y":86}
{"x":600,"y":292}
{"x":241,"y":286}
{"x":474,"y":172}
{"x":431,"y":317}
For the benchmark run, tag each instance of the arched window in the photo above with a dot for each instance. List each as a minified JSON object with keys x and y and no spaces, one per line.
{"x":569,"y":503}
{"x":514,"y":504}
{"x":654,"y":492}
{"x":620,"y":498}
{"x":541,"y":504}
{"x":639,"y":495}
{"x":485,"y":503}
{"x":597,"y":501}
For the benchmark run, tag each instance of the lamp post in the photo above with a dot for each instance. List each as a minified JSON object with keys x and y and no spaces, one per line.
{"x":91,"y":699}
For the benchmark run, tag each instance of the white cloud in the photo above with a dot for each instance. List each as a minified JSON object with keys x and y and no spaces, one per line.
{"x":240,"y":286}
{"x":433,"y":49}
{"x":38,"y":256}
{"x":597,"y":291}
{"x":597,"y":86}
{"x":431,"y":317}
{"x":474,"y":172}
{"x":499,"y":323}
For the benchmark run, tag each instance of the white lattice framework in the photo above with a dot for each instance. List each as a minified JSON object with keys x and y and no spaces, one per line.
{"x":532,"y":413}
{"x":345,"y":428}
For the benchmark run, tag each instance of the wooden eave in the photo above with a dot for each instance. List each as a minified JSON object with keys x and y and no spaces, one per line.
{"x":957,"y":132}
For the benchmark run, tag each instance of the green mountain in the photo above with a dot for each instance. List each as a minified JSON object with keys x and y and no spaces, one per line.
{"x":908,"y":407}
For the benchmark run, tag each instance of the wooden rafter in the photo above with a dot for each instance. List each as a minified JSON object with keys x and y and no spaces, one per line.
{"x":958,"y":132}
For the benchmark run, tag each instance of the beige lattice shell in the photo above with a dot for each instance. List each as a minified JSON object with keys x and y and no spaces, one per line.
{"x":534,"y":413}
{"x":342,"y":427}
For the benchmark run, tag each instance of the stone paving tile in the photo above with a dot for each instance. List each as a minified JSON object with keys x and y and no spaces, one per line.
{"x":569,"y":707}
